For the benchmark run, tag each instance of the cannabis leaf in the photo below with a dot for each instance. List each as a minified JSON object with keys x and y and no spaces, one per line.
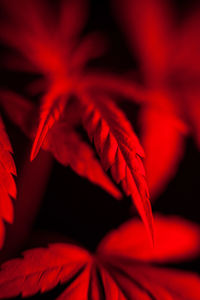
{"x":119,"y":150}
{"x":7,"y":183}
{"x":114,"y":139}
{"x":62,"y":61}
{"x":117,"y":270}
{"x":63,"y":141}
{"x":169,"y":62}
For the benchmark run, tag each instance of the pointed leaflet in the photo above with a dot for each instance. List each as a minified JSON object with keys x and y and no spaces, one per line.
{"x":52,"y":107}
{"x":65,"y":144}
{"x":37,"y":43}
{"x":109,"y":272}
{"x":141,"y":281}
{"x":119,"y":150}
{"x":79,"y":288}
{"x":111,"y":289}
{"x":7,"y":183}
{"x":124,"y":251}
{"x":41,"y":269}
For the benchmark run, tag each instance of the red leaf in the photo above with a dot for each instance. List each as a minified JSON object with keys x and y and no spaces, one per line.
{"x":73,"y":14}
{"x":114,"y":84}
{"x":109,"y":273}
{"x":119,"y":150}
{"x":68,"y":148}
{"x":187,"y":61}
{"x":65,"y":144}
{"x":32,"y":35}
{"x":7,"y":183}
{"x":52,"y":108}
{"x":146,"y":282}
{"x":41,"y":269}
{"x":170,"y":65}
{"x":175,"y":239}
{"x":20,"y":111}
{"x":147,"y":25}
{"x":111,"y":288}
{"x":163,"y":140}
{"x":193,"y":111}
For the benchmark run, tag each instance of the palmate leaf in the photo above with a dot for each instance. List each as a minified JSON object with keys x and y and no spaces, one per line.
{"x":169,"y":59}
{"x":61,"y":59}
{"x":42,"y":269}
{"x":116,"y":271}
{"x":63,"y":67}
{"x":7,"y":183}
{"x":63,"y":141}
{"x":47,"y":47}
{"x":119,"y":151}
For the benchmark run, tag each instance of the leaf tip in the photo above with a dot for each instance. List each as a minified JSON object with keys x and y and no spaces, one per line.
{"x":34,"y":151}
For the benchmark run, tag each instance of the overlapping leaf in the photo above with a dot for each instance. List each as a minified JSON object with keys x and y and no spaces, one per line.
{"x":62,"y":59}
{"x":7,"y":183}
{"x":169,"y":60}
{"x":43,"y":47}
{"x":63,"y":141}
{"x":116,"y":271}
{"x":119,"y":150}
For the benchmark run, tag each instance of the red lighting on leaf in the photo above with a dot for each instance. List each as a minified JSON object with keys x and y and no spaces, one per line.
{"x":71,"y":100}
{"x":62,"y":59}
{"x":119,"y":150}
{"x":117,"y":270}
{"x":7,"y":183}
{"x":169,"y":61}
{"x":63,"y":141}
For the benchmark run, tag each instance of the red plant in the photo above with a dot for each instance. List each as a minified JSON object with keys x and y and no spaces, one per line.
{"x":7,"y":183}
{"x":62,"y":63}
{"x":120,"y":268}
{"x":72,"y":98}
{"x":169,"y":60}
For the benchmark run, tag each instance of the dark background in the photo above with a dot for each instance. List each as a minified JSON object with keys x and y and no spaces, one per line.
{"x":73,"y":207}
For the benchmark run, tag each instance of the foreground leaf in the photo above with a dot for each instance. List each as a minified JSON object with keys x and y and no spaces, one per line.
{"x":115,"y":272}
{"x":42,"y":269}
